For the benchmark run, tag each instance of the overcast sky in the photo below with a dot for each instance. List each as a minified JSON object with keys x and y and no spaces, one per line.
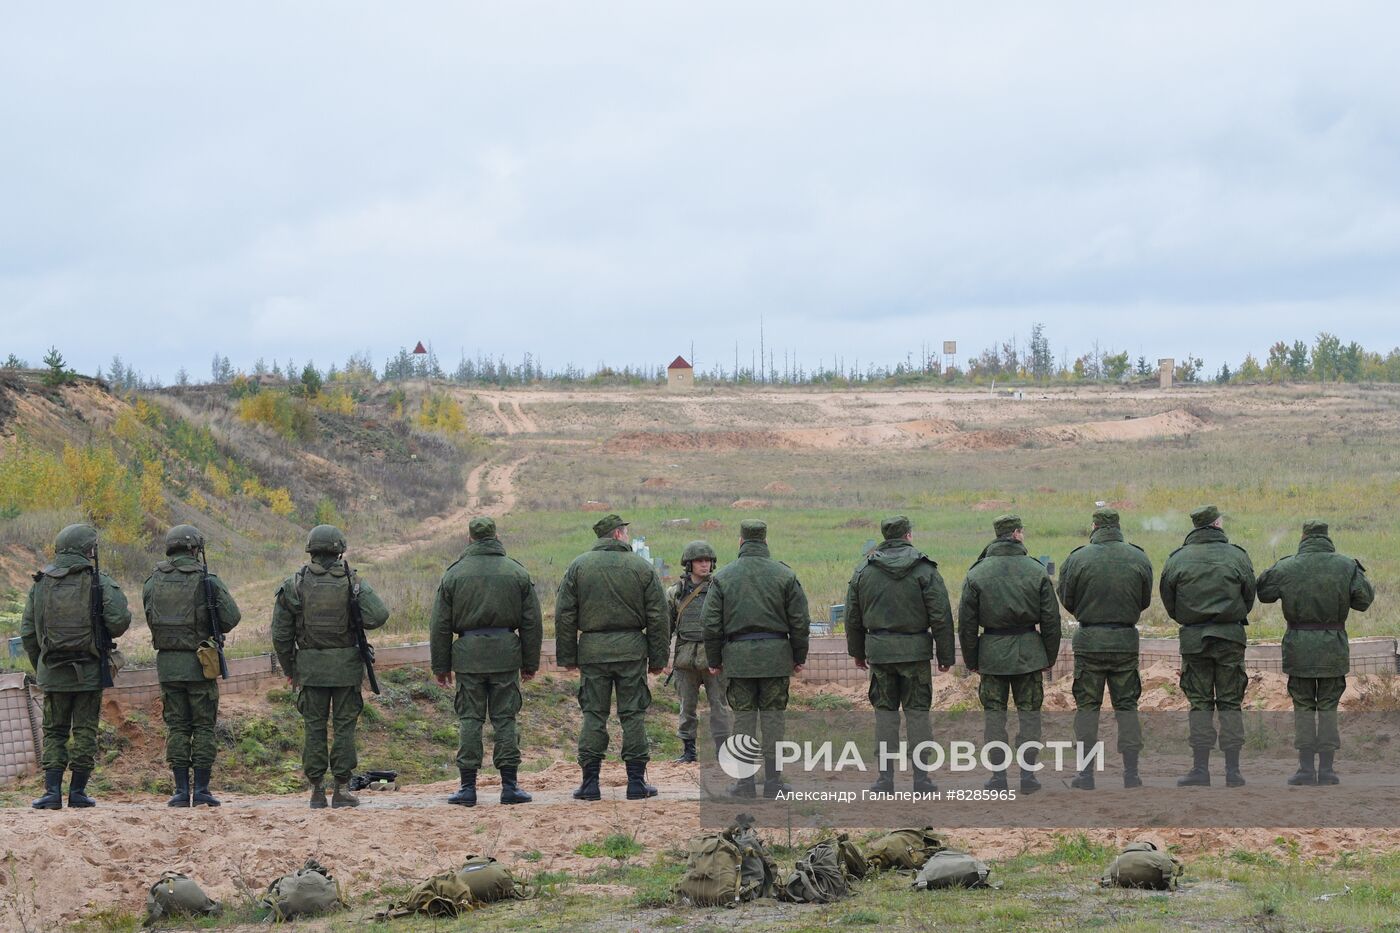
{"x":613,"y":181}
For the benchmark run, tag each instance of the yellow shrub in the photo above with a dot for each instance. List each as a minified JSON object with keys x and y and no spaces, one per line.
{"x":106,"y":490}
{"x":152,"y":488}
{"x":441,"y":413}
{"x":253,"y":489}
{"x":218,"y":481}
{"x":128,"y":427}
{"x":197,"y":501}
{"x":337,"y":401}
{"x":34,"y":479}
{"x":280,"y":501}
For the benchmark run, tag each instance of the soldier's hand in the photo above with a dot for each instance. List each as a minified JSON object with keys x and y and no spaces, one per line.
{"x":797,"y":668}
{"x":291,"y":684}
{"x":862,"y":664}
{"x":444,"y":680}
{"x":944,"y":668}
{"x":656,"y":670}
{"x":527,"y":676}
{"x":716,"y":671}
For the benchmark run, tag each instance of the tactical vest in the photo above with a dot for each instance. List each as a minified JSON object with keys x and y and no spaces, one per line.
{"x":325,"y":608}
{"x":688,"y":623}
{"x":174,"y":610}
{"x":66,"y":596}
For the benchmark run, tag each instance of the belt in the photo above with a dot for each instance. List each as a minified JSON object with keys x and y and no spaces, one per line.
{"x":1084,"y":625}
{"x":890,"y":631}
{"x":1317,"y":626}
{"x":690,"y":641}
{"x":1216,"y":622}
{"x":1013,"y":630}
{"x":757,"y":636}
{"x":474,"y":632}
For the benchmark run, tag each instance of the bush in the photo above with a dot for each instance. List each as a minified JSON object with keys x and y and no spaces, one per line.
{"x":292,"y":420}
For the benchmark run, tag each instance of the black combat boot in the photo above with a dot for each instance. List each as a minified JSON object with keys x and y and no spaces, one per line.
{"x":997,"y":781}
{"x":719,"y":743}
{"x":1130,"y":770}
{"x":1084,"y":780}
{"x":77,"y":790}
{"x":1029,"y":783}
{"x":588,"y":788}
{"x":1325,"y":774}
{"x":885,"y":783}
{"x":773,"y":783}
{"x":637,"y":786}
{"x":1199,"y":775}
{"x":466,"y":794}
{"x":201,"y":796}
{"x":744,"y":787}
{"x":341,"y":796}
{"x":53,"y":792}
{"x":1306,"y":775}
{"x":510,"y":790}
{"x":181,"y":797}
{"x":923,"y":781}
{"x":687,"y":752}
{"x":1233,"y":777}
{"x":318,"y":795}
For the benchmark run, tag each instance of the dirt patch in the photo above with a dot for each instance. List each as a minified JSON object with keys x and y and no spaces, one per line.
{"x":749,"y":504}
{"x":657,"y":482}
{"x":778,"y":487}
{"x":1174,"y":423}
{"x":594,"y":506}
{"x":902,"y":434}
{"x":991,"y":505}
{"x":711,"y":524}
{"x":857,"y":523}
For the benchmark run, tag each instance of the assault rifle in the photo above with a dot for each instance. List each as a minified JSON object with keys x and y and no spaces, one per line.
{"x":357,"y":622}
{"x":211,"y":603}
{"x":100,"y":636}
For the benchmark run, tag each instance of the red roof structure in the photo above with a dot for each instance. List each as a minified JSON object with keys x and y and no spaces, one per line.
{"x":420,"y":348}
{"x":679,"y":363}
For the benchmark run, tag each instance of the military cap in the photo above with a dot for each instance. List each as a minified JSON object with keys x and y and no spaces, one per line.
{"x":895,"y":527}
{"x":1314,"y":526}
{"x":1203,"y":516}
{"x":1006,"y":524}
{"x":753,"y":530}
{"x":608,"y":524}
{"x":1106,"y":518}
{"x":482,"y":528}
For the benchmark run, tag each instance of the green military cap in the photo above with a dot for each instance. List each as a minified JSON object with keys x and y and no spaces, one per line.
{"x":1006,"y":524}
{"x":753,"y":530}
{"x":1106,"y":518}
{"x":1203,"y":516}
{"x":482,"y":528}
{"x":896,"y":527}
{"x":1314,"y":526}
{"x":608,"y":524}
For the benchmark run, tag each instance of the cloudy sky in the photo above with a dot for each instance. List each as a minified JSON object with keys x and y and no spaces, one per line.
{"x":615,"y":181}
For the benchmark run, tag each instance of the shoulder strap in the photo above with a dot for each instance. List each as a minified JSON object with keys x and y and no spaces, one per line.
{"x":690,"y":597}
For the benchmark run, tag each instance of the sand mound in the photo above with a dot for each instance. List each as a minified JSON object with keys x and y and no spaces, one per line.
{"x":1174,"y":423}
{"x":903,"y":434}
{"x":778,"y":486}
{"x":749,"y":504}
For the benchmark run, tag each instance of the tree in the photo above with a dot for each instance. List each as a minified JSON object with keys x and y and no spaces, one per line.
{"x":1349,"y":361}
{"x":58,"y":372}
{"x":1277,"y":366}
{"x":1327,"y":357}
{"x":1115,"y":366}
{"x":1249,"y":370}
{"x":1042,"y":360}
{"x":14,"y":362}
{"x":182,"y":377}
{"x":1144,"y":369}
{"x":1298,"y":362}
{"x":1223,"y":377}
{"x":1189,"y":369}
{"x":310,"y":381}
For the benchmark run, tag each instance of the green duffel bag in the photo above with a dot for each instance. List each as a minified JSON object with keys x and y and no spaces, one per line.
{"x":952,"y":869}
{"x":177,"y":895}
{"x":903,"y":848}
{"x":817,"y":878}
{"x":1143,"y":865}
{"x":306,"y":892}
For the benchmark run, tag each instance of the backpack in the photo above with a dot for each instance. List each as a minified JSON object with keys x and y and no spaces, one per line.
{"x":1142,"y":865}
{"x":65,"y":593}
{"x":177,"y":895}
{"x":909,"y":849}
{"x":817,"y":878}
{"x":723,"y":869}
{"x":308,"y":891}
{"x":952,"y":869}
{"x":849,"y":855}
{"x":480,"y":881}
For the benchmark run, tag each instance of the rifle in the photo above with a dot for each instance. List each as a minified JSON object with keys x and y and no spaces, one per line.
{"x":100,"y":636}
{"x":211,"y":603}
{"x":357,"y":622}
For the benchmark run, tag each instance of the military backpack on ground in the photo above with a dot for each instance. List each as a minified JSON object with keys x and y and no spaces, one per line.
{"x":907,"y":849}
{"x":1143,"y":865}
{"x":308,"y":891}
{"x":723,"y":869}
{"x":818,"y":877}
{"x":952,"y":869}
{"x":481,"y":880}
{"x":177,"y":895}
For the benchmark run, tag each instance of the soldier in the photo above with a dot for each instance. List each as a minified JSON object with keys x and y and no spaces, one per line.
{"x":610,"y":626}
{"x":1106,"y":584}
{"x":59,"y":637}
{"x":1008,"y":594}
{"x":686,"y":601}
{"x":488,"y":601}
{"x":177,"y":613}
{"x":756,"y":636}
{"x":316,"y":645}
{"x":897,"y":609}
{"x":1318,"y":587}
{"x":1207,"y":587}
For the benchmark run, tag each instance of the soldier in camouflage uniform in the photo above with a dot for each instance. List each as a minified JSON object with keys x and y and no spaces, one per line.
{"x":57,"y":633}
{"x":488,"y":602}
{"x":316,"y":645}
{"x":178,"y":616}
{"x":1318,"y":587}
{"x":686,"y":601}
{"x":1106,"y":584}
{"x":756,"y":632}
{"x":1207,"y":587}
{"x":1008,"y":596}
{"x":897,"y":610}
{"x":610,"y":625}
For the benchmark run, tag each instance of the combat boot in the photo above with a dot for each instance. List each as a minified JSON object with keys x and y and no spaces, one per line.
{"x":77,"y":790}
{"x":687,"y":752}
{"x":773,"y":783}
{"x":997,"y":781}
{"x":1084,"y":780}
{"x":201,"y":796}
{"x":743,"y":787}
{"x":53,"y":792}
{"x":318,"y":795}
{"x":1199,"y":775}
{"x":884,"y":784}
{"x":1325,"y":774}
{"x":923,"y":783}
{"x":510,"y":790}
{"x":1306,"y":775}
{"x":1233,"y":777}
{"x":181,"y":797}
{"x":341,"y":797}
{"x":1029,"y":783}
{"x":1130,"y":770}
{"x":588,"y":788}
{"x":719,"y":744}
{"x":637,"y":786}
{"x":466,"y":794}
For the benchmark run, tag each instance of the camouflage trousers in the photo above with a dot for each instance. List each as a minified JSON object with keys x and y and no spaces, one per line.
{"x":596,"y":685}
{"x":1118,"y":671}
{"x":1028,"y":690}
{"x":688,"y":683}
{"x":907,"y":686}
{"x":479,"y":696}
{"x":760,"y":703}
{"x":1315,"y":702}
{"x":341,"y":707}
{"x":1213,"y":680}
{"x":190,"y":710}
{"x":74,"y":714}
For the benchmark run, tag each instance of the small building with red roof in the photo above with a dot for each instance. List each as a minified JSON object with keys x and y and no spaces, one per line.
{"x":680,"y":375}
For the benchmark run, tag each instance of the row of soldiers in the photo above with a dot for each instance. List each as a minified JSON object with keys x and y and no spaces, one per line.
{"x":740,"y":634}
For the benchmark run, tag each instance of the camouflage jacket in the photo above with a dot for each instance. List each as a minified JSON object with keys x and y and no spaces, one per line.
{"x":1008,"y":590}
{"x":487,"y":593}
{"x":897,"y":608}
{"x":1318,"y":587}
{"x":1106,"y":584}
{"x":610,"y":607}
{"x":1207,"y":587}
{"x":62,"y":671}
{"x":756,"y":595}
